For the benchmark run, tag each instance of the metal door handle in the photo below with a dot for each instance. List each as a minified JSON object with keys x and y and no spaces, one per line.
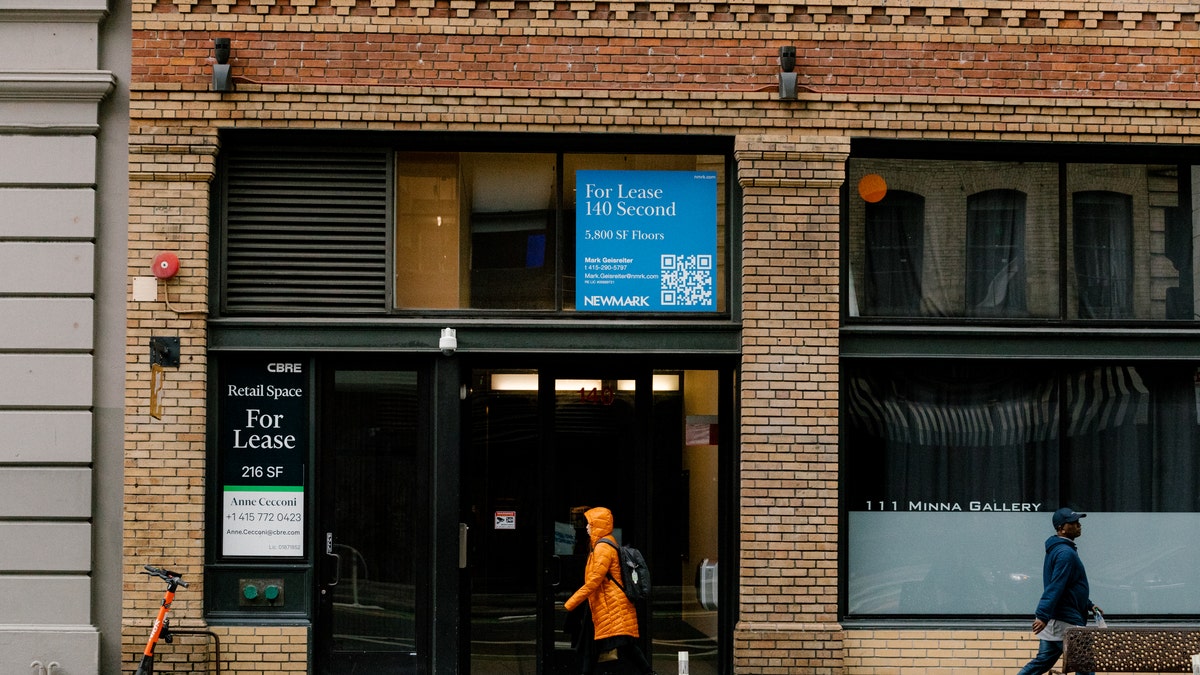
{"x":337,"y":559}
{"x":463,"y":528}
{"x":557,"y":571}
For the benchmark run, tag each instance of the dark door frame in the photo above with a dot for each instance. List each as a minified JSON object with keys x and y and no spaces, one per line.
{"x":430,"y":650}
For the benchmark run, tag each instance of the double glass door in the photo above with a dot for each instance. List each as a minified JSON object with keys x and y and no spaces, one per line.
{"x":540,"y":447}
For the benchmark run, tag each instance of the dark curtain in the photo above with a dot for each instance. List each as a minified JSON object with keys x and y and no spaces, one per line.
{"x":1114,"y":438}
{"x":895,"y":240}
{"x":952,"y":434}
{"x":1103,"y":223}
{"x":1132,"y":438}
{"x":996,"y":254}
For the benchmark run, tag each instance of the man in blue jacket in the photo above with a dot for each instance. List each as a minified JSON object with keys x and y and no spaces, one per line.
{"x":1065,"y":600}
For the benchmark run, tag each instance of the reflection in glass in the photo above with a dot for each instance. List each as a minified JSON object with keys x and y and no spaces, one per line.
{"x":374,"y":415}
{"x":501,"y":456}
{"x":895,"y":245}
{"x":1104,"y":254}
{"x":981,"y":239}
{"x":954,"y":239}
{"x":996,"y":253}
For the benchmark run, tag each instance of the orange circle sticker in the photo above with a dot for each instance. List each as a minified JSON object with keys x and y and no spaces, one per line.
{"x":872,"y":187}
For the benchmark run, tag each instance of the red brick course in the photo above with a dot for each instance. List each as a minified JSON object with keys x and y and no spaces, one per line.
{"x":923,"y":50}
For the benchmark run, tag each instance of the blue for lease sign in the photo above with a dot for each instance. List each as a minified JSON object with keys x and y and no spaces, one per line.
{"x":646,"y":241}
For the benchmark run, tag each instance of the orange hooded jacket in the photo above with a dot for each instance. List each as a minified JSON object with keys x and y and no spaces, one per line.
{"x":612,"y":612}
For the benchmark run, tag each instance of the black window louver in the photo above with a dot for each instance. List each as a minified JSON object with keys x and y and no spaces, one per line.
{"x":306,"y":232}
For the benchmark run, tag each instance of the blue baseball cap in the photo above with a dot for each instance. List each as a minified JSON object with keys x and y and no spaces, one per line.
{"x":1065,"y":515}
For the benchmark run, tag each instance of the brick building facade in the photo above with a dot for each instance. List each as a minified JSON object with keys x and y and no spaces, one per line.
{"x":879,"y":83}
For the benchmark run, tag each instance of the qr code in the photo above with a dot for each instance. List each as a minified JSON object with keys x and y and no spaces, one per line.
{"x":687,"y":280}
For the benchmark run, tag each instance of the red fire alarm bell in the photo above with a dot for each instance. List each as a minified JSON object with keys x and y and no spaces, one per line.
{"x":166,"y":265}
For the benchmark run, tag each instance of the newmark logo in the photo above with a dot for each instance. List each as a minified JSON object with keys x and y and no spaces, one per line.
{"x":616,"y":301}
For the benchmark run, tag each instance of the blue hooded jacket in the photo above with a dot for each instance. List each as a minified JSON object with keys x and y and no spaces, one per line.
{"x":1065,"y":593}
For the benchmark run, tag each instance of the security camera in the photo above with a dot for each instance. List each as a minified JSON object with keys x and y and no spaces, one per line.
{"x":448,"y":343}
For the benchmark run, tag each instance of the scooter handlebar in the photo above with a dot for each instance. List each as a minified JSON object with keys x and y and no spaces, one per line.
{"x":165,"y":575}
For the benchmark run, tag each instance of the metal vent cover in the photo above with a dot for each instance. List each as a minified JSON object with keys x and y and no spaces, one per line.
{"x":306,"y":232}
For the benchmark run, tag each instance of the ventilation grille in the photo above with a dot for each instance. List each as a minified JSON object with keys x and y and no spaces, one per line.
{"x":306,"y":232}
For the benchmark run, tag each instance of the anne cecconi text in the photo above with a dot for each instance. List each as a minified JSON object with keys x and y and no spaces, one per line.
{"x":1008,"y":507}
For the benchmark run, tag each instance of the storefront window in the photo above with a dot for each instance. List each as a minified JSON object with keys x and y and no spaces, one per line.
{"x":377,"y":230}
{"x":953,"y":468}
{"x":475,"y":230}
{"x":949,"y":239}
{"x":685,"y":598}
{"x":496,"y":231}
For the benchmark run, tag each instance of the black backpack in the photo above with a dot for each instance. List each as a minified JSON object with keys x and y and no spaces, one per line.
{"x":634,"y":571}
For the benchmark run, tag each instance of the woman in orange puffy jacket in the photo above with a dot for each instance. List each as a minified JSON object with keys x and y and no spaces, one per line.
{"x":613,"y":615}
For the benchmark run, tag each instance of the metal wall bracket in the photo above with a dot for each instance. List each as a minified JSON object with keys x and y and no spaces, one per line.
{"x":164,"y":351}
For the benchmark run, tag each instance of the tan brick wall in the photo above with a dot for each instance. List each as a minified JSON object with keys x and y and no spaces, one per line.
{"x":165,"y":458}
{"x":1013,"y":71}
{"x":789,"y":460}
{"x":937,"y":652}
{"x":245,"y":650}
{"x":171,"y":169}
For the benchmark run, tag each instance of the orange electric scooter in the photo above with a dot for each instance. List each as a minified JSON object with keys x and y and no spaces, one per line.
{"x":161,"y":627}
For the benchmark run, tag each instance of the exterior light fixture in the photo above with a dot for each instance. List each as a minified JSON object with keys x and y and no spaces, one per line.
{"x":448,"y":341}
{"x":222,"y":80}
{"x":787,"y":76}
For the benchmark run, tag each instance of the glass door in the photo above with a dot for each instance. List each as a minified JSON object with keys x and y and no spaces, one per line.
{"x":503,"y":474}
{"x":368,"y":542}
{"x":596,"y":440}
{"x":541,"y":446}
{"x":541,"y":449}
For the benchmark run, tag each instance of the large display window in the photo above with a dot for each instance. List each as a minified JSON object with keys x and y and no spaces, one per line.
{"x":519,"y":231}
{"x":953,"y":467}
{"x":384,"y":225}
